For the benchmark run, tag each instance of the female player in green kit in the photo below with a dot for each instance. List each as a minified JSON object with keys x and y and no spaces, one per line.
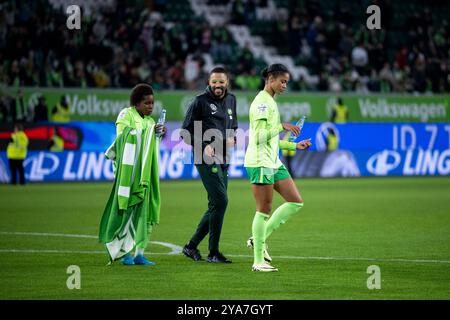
{"x":265,"y":170}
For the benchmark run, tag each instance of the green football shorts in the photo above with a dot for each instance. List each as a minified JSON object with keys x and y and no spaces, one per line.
{"x":261,"y":175}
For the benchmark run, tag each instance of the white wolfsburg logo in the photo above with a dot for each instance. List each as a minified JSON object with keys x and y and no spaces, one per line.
{"x":213,"y":108}
{"x":379,"y":164}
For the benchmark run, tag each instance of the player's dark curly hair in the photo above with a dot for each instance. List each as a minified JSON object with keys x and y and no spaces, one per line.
{"x":275,"y":70}
{"x":139,"y":92}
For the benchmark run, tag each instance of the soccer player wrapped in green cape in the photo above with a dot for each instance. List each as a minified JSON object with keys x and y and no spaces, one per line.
{"x":134,"y":204}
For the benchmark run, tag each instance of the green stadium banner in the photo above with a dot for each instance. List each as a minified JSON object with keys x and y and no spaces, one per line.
{"x":105,"y":104}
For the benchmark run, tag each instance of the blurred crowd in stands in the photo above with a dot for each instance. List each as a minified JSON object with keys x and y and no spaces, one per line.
{"x":127,"y":44}
{"x":15,"y":109}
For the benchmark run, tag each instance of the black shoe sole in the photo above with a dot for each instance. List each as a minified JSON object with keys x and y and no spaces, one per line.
{"x":216,"y":261}
{"x":191,"y":257}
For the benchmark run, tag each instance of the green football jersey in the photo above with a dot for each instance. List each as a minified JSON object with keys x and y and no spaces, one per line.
{"x":265,"y":126}
{"x":129,"y":117}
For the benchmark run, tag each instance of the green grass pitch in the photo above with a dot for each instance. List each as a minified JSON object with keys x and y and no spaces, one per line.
{"x":401,"y":225}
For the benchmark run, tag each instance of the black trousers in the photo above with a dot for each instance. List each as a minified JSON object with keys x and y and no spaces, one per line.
{"x":16,"y":167}
{"x":215,"y":181}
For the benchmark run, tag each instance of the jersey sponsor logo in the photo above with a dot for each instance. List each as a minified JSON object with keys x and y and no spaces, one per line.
{"x":122,"y":114}
{"x":262,"y":108}
{"x":213,"y":108}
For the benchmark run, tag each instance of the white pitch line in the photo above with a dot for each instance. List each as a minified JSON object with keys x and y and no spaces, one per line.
{"x":66,"y":251}
{"x":177,"y":250}
{"x":64,"y":235}
{"x":349,"y":258}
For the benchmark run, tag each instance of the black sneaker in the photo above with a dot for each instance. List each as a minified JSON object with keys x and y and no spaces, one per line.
{"x":218,"y":258}
{"x":194,"y":254}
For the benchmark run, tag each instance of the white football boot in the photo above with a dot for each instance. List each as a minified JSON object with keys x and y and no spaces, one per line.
{"x":264,"y":267}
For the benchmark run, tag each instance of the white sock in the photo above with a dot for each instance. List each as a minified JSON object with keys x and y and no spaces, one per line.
{"x":139,"y":251}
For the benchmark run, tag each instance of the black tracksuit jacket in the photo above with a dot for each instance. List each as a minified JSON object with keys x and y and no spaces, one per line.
{"x":214,"y":113}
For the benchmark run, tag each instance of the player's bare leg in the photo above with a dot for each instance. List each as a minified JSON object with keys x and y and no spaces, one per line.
{"x":263,"y":194}
{"x":288,"y":190}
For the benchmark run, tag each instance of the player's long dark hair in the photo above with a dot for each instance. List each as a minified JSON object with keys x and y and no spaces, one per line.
{"x":275,"y":70}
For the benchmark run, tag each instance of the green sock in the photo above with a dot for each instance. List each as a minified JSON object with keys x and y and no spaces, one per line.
{"x":258,"y":230}
{"x":281,"y":215}
{"x":140,"y":247}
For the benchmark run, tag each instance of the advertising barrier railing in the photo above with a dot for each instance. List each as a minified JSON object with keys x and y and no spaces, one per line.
{"x":363,"y":149}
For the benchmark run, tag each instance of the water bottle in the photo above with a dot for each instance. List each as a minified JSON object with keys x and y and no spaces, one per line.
{"x":299,"y":123}
{"x":161,"y":121}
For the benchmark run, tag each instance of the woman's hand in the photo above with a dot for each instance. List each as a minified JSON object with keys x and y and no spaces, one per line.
{"x":231,"y":142}
{"x":290,"y":127}
{"x":209,"y":151}
{"x":160,"y":128}
{"x":304,"y":144}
